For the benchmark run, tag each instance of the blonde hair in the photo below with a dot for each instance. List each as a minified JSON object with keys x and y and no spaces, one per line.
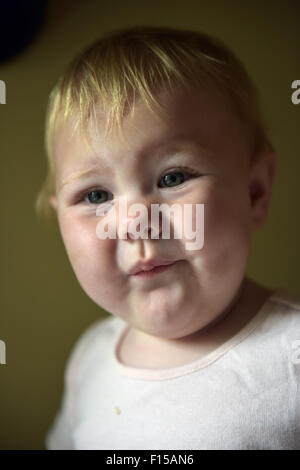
{"x":136,"y":62}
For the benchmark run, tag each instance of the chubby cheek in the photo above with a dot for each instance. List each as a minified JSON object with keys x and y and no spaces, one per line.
{"x":93,"y":262}
{"x":223,"y":258}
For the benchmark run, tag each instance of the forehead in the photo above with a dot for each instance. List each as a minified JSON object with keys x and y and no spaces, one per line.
{"x":204,"y":118}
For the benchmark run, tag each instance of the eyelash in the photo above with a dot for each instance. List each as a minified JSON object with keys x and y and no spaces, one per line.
{"x":185,"y":171}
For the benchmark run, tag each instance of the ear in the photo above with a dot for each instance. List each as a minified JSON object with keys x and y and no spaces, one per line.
{"x":262,"y":174}
{"x":53,"y":202}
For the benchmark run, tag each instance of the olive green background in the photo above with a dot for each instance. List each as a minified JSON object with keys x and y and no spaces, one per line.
{"x":43,"y":308}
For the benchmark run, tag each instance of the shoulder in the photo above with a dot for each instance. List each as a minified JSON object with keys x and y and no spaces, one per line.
{"x":96,"y":339}
{"x":285,"y":306}
{"x":286,"y":299}
{"x":276,"y":327}
{"x":281,"y":329}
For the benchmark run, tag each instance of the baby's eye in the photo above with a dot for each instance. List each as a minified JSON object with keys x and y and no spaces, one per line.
{"x":97,"y":196}
{"x":175,"y":178}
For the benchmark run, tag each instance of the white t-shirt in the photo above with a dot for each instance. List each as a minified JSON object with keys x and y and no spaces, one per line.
{"x":243,"y":395}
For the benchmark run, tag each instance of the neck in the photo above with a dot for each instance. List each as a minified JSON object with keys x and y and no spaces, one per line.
{"x":143,"y":350}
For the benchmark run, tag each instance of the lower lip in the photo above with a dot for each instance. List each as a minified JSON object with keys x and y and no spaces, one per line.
{"x":154,"y":271}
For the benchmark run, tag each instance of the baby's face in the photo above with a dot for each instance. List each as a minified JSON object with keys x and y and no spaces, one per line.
{"x":203,"y":147}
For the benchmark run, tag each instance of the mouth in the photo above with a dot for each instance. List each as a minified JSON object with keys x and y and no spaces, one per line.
{"x":154,"y":271}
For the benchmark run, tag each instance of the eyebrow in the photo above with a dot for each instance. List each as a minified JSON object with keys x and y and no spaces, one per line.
{"x":185,"y":143}
{"x":76,"y":175}
{"x":159,"y":150}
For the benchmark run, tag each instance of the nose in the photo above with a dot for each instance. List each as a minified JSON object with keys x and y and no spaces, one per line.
{"x":137,"y":220}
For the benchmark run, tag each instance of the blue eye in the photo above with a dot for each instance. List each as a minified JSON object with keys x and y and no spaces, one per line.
{"x":175,"y":178}
{"x":97,"y":196}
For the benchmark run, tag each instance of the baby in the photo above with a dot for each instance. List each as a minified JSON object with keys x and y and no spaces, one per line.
{"x":195,"y":355}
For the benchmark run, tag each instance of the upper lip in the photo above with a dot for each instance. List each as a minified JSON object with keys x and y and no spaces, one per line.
{"x":150,"y":264}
